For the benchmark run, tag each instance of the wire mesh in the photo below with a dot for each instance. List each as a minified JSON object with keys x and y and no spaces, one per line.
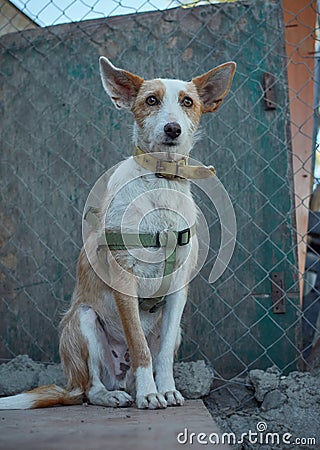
{"x":59,"y":134}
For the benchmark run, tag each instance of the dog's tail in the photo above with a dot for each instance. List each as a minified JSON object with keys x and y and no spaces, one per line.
{"x":42,"y":397}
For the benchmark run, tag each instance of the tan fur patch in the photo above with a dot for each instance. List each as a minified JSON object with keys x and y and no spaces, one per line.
{"x":74,"y":353}
{"x":129,"y":312}
{"x":140,"y":108}
{"x":52,"y":395}
{"x":134,"y":81}
{"x":194,"y":112}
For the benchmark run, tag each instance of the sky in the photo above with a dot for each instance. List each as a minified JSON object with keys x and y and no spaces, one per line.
{"x":52,"y":12}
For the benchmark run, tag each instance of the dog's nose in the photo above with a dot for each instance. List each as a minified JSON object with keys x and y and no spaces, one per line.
{"x":172,"y":129}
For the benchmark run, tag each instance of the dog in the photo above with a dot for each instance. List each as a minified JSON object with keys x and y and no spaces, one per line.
{"x":119,"y":337}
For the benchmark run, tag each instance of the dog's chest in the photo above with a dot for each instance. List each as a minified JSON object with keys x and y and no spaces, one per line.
{"x":150,"y":205}
{"x":147,"y":204}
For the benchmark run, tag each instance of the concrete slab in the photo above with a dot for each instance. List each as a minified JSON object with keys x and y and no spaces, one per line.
{"x":95,"y":428}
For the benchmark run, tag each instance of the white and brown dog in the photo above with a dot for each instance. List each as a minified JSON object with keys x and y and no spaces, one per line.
{"x":117,"y":342}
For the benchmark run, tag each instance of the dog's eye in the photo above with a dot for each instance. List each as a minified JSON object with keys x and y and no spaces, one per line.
{"x":187,"y":102}
{"x":152,"y":100}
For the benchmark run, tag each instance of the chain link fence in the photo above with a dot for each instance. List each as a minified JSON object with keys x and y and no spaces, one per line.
{"x":60,"y":133}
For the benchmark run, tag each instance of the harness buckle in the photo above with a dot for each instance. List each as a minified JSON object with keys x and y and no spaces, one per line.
{"x":184,"y":237}
{"x":166,"y":237}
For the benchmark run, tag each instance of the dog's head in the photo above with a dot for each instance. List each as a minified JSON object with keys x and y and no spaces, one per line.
{"x":167,"y":112}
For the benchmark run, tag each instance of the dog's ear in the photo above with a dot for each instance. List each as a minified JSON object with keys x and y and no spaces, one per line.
{"x":214,"y":85}
{"x":120,"y":85}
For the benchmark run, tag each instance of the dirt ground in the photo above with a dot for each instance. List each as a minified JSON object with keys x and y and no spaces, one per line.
{"x":280,"y":412}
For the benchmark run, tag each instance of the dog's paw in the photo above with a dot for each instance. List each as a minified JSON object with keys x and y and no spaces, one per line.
{"x":117,"y":399}
{"x":151,"y":401}
{"x":174,"y":398}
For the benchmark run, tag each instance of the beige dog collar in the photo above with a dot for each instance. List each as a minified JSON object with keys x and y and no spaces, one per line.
{"x":172,"y":170}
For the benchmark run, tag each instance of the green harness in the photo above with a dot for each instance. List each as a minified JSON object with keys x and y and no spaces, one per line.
{"x":168,"y":239}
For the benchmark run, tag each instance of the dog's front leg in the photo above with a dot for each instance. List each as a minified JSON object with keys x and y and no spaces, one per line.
{"x":170,"y":340}
{"x":147,"y":395}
